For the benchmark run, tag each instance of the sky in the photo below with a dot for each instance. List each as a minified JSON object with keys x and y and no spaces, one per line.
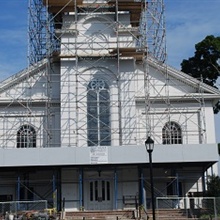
{"x":13,"y":36}
{"x":187,"y":23}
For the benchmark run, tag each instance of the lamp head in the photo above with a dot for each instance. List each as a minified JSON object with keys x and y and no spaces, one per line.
{"x":149,"y":144}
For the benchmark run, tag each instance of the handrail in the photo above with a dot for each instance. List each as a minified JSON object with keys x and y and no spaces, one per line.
{"x":192,"y":206}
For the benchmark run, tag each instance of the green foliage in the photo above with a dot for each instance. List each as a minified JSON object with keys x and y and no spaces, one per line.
{"x":213,"y":186}
{"x":205,"y":64}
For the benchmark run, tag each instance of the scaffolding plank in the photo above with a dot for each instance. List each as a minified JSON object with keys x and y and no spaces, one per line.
{"x":59,"y":3}
{"x":56,"y":6}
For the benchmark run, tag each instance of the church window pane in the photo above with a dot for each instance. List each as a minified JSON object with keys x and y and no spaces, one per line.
{"x":172,"y":133}
{"x":26,"y":137}
{"x":98,"y":113}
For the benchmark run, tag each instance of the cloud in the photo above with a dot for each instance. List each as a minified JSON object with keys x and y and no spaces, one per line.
{"x":189,"y":22}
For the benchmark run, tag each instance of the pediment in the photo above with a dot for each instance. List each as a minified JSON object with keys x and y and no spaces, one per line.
{"x":180,"y":84}
{"x":30,"y":82}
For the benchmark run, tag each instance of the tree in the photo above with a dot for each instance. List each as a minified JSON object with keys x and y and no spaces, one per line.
{"x":205,"y":64}
{"x":213,"y":186}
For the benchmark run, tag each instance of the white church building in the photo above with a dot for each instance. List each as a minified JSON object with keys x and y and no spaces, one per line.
{"x":74,"y":123}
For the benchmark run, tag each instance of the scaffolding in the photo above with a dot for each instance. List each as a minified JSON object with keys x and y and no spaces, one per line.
{"x":72,"y":30}
{"x":147,"y":25}
{"x":46,"y":29}
{"x":67,"y":48}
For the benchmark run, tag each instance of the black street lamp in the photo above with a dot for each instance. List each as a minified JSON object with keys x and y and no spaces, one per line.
{"x":149,"y":144}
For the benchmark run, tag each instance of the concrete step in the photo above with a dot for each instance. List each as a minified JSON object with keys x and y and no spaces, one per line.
{"x":98,"y":215}
{"x":168,"y":214}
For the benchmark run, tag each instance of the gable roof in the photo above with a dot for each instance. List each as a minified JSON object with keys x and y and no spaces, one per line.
{"x":22,"y":75}
{"x":207,"y":90}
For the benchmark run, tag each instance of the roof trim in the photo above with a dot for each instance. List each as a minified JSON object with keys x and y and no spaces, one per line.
{"x":181,"y":76}
{"x":17,"y":78}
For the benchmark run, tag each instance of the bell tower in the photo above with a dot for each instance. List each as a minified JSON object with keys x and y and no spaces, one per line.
{"x":100,"y":46}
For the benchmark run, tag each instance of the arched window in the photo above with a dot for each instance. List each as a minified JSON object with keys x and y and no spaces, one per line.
{"x":172,"y":133}
{"x":26,"y":137}
{"x":98,"y":113}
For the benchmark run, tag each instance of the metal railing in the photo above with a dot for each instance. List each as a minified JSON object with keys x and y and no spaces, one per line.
{"x":193,"y":207}
{"x":13,"y":209}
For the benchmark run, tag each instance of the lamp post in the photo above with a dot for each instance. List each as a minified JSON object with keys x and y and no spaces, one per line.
{"x":149,"y":144}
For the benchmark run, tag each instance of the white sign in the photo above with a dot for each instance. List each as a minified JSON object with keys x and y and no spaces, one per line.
{"x":99,"y":154}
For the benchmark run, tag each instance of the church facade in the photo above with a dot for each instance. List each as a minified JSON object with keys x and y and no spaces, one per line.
{"x":73,"y":126}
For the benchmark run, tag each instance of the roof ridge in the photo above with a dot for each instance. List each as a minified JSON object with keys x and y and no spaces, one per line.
{"x":180,"y":75}
{"x":21,"y":75}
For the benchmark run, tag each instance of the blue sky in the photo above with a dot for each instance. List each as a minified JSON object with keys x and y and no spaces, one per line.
{"x":13,"y":37}
{"x":187,"y":23}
